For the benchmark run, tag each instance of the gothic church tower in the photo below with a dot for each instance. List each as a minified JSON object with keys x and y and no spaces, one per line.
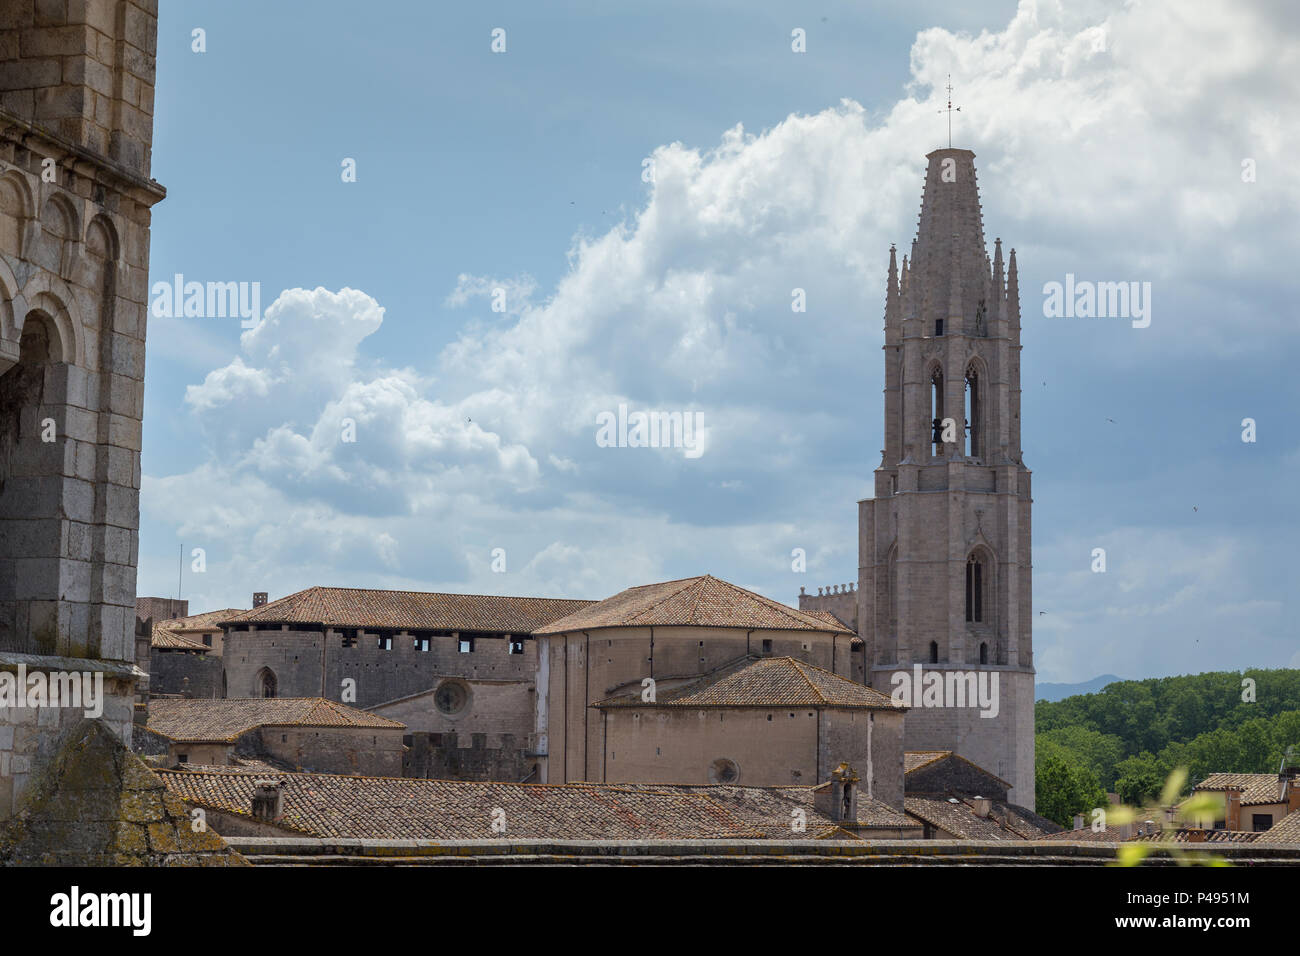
{"x":944,"y":546}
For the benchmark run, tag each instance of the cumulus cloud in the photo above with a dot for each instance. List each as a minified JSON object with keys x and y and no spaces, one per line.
{"x":1110,"y":143}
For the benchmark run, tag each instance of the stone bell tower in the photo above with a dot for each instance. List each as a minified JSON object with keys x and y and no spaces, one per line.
{"x":76,"y":130}
{"x":944,"y":546}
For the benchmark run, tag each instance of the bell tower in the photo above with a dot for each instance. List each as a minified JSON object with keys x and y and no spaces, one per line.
{"x":944,"y":546}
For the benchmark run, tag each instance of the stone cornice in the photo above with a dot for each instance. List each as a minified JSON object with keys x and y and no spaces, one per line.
{"x":147,"y":192}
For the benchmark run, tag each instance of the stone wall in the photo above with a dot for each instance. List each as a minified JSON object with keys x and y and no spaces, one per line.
{"x":94,"y":803}
{"x":169,"y":671}
{"x":582,"y":668}
{"x":483,"y":732}
{"x":30,"y":735}
{"x":76,"y":107}
{"x":503,"y":758}
{"x":1002,"y":745}
{"x":312,"y":663}
{"x":371,"y":752}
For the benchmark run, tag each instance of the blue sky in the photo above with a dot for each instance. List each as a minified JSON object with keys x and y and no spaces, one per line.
{"x":1109,"y":141}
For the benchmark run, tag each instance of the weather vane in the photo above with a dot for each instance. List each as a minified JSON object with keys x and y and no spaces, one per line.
{"x":950,"y":110}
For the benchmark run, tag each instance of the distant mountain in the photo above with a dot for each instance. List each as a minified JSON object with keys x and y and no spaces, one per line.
{"x":1055,"y":692}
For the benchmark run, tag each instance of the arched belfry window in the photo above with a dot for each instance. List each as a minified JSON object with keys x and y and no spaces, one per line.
{"x":974,"y":413}
{"x":984,"y":652}
{"x":975,"y":590}
{"x":934,"y":652}
{"x":936,"y":409}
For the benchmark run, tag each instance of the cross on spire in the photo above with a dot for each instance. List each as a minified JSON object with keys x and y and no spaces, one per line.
{"x":950,"y":110}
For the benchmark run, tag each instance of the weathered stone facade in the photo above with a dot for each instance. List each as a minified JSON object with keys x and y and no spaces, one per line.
{"x":944,"y":577}
{"x":580,"y":668}
{"x":76,"y":106}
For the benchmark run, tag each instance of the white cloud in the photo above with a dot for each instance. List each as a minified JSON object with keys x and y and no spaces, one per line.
{"x":1115,"y":160}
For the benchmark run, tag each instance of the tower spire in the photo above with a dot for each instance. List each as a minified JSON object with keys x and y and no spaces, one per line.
{"x":950,"y":110}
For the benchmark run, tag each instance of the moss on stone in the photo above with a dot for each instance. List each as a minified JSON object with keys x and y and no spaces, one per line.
{"x":94,"y":803}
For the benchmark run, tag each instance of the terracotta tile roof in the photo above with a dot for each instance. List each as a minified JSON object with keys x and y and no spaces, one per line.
{"x":410,"y":610}
{"x":1183,"y":835}
{"x":771,"y":806}
{"x":955,"y":814}
{"x":1109,"y":834}
{"x":765,"y":682}
{"x":225,"y":720}
{"x":397,"y":808}
{"x":834,"y":620}
{"x":916,"y":759}
{"x":1286,"y":830}
{"x":207,"y":621}
{"x":172,"y":641}
{"x":1257,"y":788}
{"x":691,"y":602}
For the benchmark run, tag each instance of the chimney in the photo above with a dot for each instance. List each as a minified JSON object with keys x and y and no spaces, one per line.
{"x":185,"y":688}
{"x":259,"y":598}
{"x":981,"y":806}
{"x":1293,"y":794}
{"x":1078,"y":821}
{"x":1232,"y":808}
{"x":268,"y":800}
{"x":839,"y":801}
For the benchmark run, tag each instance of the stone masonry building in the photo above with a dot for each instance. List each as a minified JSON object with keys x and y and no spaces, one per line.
{"x":76,"y":121}
{"x":944,"y":545}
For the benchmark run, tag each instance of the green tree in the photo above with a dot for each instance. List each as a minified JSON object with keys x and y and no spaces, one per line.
{"x":1064,"y":785}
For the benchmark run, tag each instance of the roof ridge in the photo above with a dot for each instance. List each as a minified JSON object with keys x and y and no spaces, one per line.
{"x":798,"y":666}
{"x":793,"y":613}
{"x":691,"y":582}
{"x":512,"y":597}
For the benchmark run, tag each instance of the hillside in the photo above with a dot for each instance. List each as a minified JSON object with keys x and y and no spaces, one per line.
{"x":1127,"y":737}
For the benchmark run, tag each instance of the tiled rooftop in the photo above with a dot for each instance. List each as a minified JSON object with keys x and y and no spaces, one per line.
{"x":1257,"y":788}
{"x":207,"y":621}
{"x":1286,"y":830}
{"x":394,"y":808}
{"x":225,"y":720}
{"x":955,"y":814}
{"x":691,"y":602}
{"x":173,"y":641}
{"x":766,"y":682}
{"x":916,"y":759}
{"x":171,"y":633}
{"x":409,"y":610}
{"x":833,"y":619}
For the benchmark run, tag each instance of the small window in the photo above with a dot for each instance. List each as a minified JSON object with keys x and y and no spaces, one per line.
{"x":466,"y":645}
{"x":974,"y":590}
{"x":384,"y":643}
{"x":934,"y":652}
{"x":422,"y":644}
{"x":938,"y":326}
{"x":984,"y":652}
{"x":207,"y":640}
{"x":767,"y":645}
{"x":1261,"y":821}
{"x":516,"y":645}
{"x":284,"y":738}
{"x":349,"y":638}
